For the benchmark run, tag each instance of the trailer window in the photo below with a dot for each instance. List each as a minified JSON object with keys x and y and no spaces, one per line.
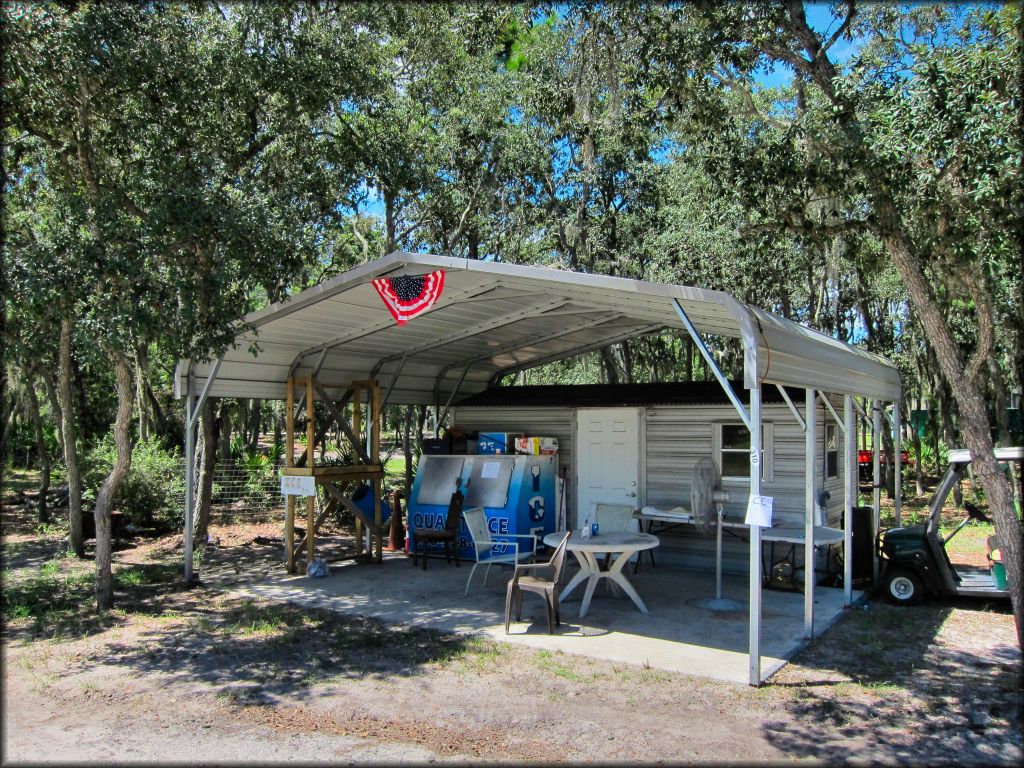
{"x":831,"y":453}
{"x":732,"y":450}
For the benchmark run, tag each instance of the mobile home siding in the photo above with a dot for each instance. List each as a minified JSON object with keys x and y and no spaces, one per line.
{"x":673,"y":438}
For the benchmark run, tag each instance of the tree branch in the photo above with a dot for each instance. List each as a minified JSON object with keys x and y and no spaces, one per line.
{"x":842,"y":27}
{"x":986,"y":325}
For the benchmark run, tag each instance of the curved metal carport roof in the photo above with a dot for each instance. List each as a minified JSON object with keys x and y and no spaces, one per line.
{"x":494,"y":318}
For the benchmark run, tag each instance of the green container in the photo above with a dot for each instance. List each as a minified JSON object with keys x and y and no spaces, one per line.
{"x":999,"y":575}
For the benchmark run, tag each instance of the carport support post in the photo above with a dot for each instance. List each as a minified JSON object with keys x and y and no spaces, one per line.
{"x":754,"y":646}
{"x":876,"y":481}
{"x":190,"y":450}
{"x":850,"y":497}
{"x":809,"y":503}
{"x":897,"y":449}
{"x":310,"y":462}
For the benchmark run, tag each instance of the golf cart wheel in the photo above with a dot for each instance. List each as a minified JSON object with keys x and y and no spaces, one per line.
{"x":903,"y":587}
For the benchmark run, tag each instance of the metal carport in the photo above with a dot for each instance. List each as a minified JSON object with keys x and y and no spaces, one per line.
{"x":494,"y":318}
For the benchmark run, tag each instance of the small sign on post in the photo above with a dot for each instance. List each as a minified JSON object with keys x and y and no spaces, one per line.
{"x":759,"y":511}
{"x":298,"y":485}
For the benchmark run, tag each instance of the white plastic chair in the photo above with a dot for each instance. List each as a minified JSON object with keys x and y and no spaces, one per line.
{"x":612,"y":518}
{"x":484,"y":544}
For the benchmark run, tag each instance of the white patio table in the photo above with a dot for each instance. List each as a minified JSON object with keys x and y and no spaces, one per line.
{"x":621,"y":544}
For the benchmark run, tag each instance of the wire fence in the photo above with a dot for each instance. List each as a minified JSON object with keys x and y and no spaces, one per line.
{"x":244,"y":494}
{"x":240,"y":494}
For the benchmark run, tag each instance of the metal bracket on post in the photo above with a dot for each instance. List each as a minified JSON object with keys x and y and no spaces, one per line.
{"x":792,"y":408}
{"x":699,"y":342}
{"x":841,"y":423}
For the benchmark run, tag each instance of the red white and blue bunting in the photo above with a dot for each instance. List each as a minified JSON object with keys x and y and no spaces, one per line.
{"x":406,"y":296}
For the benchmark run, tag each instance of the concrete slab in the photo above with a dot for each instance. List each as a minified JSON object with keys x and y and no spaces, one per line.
{"x":678,"y":634}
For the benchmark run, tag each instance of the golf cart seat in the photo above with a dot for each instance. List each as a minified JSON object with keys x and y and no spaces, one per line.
{"x":993,"y":549}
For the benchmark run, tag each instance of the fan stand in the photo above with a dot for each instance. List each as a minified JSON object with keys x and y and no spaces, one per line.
{"x":719,"y":603}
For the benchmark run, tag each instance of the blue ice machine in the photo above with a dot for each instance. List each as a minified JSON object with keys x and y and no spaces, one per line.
{"x":516,"y":492}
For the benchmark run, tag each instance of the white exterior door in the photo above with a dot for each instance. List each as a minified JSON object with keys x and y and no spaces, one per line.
{"x":607,"y":458}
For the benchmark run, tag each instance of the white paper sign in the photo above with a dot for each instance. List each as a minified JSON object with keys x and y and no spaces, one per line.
{"x":298,"y":485}
{"x":759,"y":511}
{"x":490,"y":470}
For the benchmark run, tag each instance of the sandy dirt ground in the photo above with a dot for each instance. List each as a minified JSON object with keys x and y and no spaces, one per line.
{"x":192,"y":676}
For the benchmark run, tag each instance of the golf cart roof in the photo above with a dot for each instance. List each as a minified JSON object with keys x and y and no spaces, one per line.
{"x":963,"y":456}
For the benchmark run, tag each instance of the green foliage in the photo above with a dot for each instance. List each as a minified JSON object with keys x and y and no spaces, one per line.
{"x":152,"y":493}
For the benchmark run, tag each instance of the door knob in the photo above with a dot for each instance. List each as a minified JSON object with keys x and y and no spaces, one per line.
{"x":632,"y":494}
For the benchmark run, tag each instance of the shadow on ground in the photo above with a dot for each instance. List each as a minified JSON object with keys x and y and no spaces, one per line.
{"x":897,"y":679}
{"x":255,"y":652}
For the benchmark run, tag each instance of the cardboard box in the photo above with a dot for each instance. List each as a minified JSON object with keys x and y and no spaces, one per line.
{"x":533,"y":446}
{"x":528,"y":445}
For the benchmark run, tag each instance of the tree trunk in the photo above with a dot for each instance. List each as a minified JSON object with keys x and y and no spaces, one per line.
{"x":611,"y":369}
{"x":141,"y":357}
{"x":390,"y":226}
{"x":919,"y":473}
{"x":225,"y":430}
{"x":105,"y":498}
{"x":279,"y":428}
{"x":407,"y":452}
{"x":256,"y":412}
{"x":207,"y":463}
{"x":974,"y":426}
{"x":41,"y":452}
{"x":9,"y":424}
{"x":50,"y":385}
{"x":69,"y":437}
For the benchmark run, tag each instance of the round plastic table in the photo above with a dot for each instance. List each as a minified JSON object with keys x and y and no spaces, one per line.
{"x":621,"y":545}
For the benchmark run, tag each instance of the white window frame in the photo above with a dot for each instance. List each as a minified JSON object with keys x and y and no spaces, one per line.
{"x":767,"y":451}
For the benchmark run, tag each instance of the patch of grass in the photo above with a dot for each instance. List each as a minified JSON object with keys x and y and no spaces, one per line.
{"x":229,"y":696}
{"x":395,"y":466}
{"x":549,"y":665}
{"x":884,"y":689}
{"x":16,"y":479}
{"x":649,"y":675}
{"x":59,"y":598}
{"x":52,"y":530}
{"x":480,"y":655}
{"x":146,"y":575}
{"x":54,"y":604}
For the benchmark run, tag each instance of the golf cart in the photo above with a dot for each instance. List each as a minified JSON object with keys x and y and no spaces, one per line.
{"x":914,"y":558}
